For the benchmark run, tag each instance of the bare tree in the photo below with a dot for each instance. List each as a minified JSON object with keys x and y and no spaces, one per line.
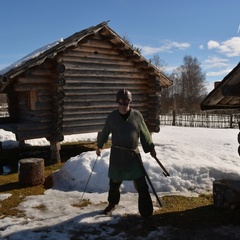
{"x":190,"y":89}
{"x":158,"y":63}
{"x":166,"y":93}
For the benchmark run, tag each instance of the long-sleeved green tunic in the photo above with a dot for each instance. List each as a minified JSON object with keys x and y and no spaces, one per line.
{"x":124,"y":157}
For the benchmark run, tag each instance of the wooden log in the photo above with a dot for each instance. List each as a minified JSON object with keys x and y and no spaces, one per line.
{"x":84,"y":116}
{"x":61,"y":68}
{"x":31,"y":172}
{"x":94,"y":59}
{"x":96,"y":43}
{"x":140,"y":64}
{"x":25,"y":135}
{"x":98,"y":67}
{"x":82,"y":129}
{"x":38,"y":72}
{"x":105,"y":74}
{"x":96,"y":105}
{"x":87,"y":122}
{"x":35,"y":79}
{"x":107,"y":37}
{"x":91,"y":60}
{"x":94,"y":51}
{"x":231,"y":91}
{"x":30,"y":87}
{"x":32,"y":126}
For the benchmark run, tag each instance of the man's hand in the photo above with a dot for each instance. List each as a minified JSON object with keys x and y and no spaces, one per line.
{"x":99,"y":151}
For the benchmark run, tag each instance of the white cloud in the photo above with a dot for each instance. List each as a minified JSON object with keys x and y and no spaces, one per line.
{"x":230,"y":48}
{"x":215,"y":62}
{"x":213,"y":44}
{"x":201,"y":47}
{"x":220,"y":67}
{"x":168,"y":46}
{"x":219,"y":73}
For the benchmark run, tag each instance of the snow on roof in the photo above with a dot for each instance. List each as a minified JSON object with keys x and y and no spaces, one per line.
{"x":30,"y":56}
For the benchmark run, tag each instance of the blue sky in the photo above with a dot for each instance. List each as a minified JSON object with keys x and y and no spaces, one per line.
{"x":205,"y":29}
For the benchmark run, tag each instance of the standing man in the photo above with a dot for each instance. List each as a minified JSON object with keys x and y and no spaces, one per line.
{"x":127,"y":126}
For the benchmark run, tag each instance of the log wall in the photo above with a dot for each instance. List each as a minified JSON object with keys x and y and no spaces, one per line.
{"x":94,"y":72}
{"x":34,"y":90}
{"x":74,"y":92}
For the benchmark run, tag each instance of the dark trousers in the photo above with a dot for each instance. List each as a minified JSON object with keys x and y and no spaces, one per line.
{"x":145,"y":205}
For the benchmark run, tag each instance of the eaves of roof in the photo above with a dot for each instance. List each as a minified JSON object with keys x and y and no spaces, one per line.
{"x":218,"y":94}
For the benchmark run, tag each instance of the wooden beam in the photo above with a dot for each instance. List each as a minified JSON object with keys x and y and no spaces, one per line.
{"x":108,"y":37}
{"x":119,"y":45}
{"x":231,"y":91}
{"x":30,"y":87}
{"x":140,"y":65}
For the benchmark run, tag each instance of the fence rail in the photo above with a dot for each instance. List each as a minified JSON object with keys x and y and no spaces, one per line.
{"x":185,"y":120}
{"x":201,"y":120}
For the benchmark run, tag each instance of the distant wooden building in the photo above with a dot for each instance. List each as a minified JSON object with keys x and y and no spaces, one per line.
{"x":226,"y":94}
{"x":69,"y":87}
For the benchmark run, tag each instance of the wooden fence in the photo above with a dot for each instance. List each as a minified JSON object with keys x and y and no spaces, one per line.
{"x":185,"y":120}
{"x":201,"y":120}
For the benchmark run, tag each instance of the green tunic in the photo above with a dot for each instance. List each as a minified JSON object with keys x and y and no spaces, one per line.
{"x":124,"y":157}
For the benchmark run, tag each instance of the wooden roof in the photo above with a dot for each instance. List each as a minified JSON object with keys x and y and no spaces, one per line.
{"x":226,"y":95}
{"x":6,"y":75}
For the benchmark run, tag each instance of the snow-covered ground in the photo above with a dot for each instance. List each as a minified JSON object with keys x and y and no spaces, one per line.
{"x":194,"y":157}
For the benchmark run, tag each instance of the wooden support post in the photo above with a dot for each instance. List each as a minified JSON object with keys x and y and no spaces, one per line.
{"x":174,"y":118}
{"x":55,"y":149}
{"x":231,"y":120}
{"x":21,"y":144}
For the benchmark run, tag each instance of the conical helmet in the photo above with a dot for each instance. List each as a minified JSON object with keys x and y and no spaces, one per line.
{"x":124,"y":95}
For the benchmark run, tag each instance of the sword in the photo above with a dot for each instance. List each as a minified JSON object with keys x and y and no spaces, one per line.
{"x":165,"y":172}
{"x":149,"y":181}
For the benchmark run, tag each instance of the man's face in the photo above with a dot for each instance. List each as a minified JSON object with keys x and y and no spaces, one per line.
{"x":124,"y":106}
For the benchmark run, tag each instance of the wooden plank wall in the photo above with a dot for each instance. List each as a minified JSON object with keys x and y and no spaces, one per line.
{"x":35,"y":113}
{"x":74,"y":92}
{"x":94,"y":72}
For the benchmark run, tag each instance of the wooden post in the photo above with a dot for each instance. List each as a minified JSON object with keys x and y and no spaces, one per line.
{"x":231,"y":120}
{"x":174,"y":118}
{"x":21,"y":144}
{"x":31,"y":171}
{"x":55,"y":148}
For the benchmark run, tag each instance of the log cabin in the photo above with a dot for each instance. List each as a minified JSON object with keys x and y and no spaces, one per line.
{"x":226,"y":96}
{"x":69,"y":87}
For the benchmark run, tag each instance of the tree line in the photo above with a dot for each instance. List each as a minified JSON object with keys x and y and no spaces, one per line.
{"x":188,"y":89}
{"x":189,"y":85}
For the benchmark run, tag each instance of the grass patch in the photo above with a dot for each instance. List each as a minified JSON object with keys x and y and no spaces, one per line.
{"x":10,"y":184}
{"x":82,"y":203}
{"x":178,"y":211}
